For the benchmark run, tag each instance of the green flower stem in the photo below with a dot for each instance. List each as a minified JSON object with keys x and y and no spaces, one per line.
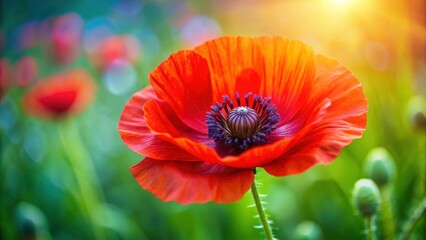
{"x":89,"y":190}
{"x":261,"y":212}
{"x":386,"y":212}
{"x":424,"y":163}
{"x":415,"y":218}
{"x":369,"y":228}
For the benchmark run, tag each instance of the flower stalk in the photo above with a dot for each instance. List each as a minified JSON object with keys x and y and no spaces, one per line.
{"x":261,"y":211}
{"x":414,"y":220}
{"x":386,"y":214}
{"x":369,"y":227}
{"x":89,"y":193}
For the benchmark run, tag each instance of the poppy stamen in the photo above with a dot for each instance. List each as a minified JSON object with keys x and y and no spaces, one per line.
{"x":242,"y":126}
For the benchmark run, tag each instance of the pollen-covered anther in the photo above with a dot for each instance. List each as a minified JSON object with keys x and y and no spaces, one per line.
{"x":244,"y":123}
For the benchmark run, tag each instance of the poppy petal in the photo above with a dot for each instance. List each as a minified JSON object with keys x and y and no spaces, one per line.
{"x":236,"y":65}
{"x":137,"y":136}
{"x":289,"y":75}
{"x":344,"y":121}
{"x":183,"y":81}
{"x":344,"y":90}
{"x":192,"y":182}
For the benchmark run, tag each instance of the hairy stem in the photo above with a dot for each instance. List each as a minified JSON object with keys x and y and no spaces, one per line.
{"x":369,"y":228}
{"x":387,"y":218}
{"x":261,"y":212}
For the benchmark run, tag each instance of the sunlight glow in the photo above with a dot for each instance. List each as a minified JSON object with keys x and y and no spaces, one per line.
{"x":341,"y":2}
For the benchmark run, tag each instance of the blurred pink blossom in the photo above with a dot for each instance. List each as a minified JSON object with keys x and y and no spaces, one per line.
{"x":26,"y":71}
{"x":65,"y":37}
{"x":125,"y":47}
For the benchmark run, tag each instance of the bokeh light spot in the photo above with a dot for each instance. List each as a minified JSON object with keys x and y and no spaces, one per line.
{"x":120,"y":77}
{"x":34,"y":144}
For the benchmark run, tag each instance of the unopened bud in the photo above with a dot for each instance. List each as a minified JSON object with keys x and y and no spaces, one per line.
{"x":417,"y":112}
{"x":379,"y":166}
{"x":366,"y":197}
{"x":30,"y":221}
{"x":419,"y":120}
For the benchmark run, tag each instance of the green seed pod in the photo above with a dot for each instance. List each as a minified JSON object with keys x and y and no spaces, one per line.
{"x":307,"y":230}
{"x":417,"y":112}
{"x":366,"y":197}
{"x":379,"y":166}
{"x":30,"y":221}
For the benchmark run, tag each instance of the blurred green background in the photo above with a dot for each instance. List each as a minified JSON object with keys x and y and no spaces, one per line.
{"x":382,"y":42}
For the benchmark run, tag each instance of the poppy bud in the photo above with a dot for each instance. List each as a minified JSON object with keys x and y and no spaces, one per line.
{"x":417,"y":112}
{"x":420,"y":120}
{"x":307,"y":230}
{"x":31,"y":221}
{"x":379,"y":166}
{"x":366,"y":197}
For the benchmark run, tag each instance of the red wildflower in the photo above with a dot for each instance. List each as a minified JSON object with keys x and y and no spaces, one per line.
{"x":65,"y":37}
{"x":215,"y":113}
{"x":117,"y":47}
{"x":5,"y":76}
{"x":26,"y":71}
{"x":60,"y":95}
{"x":1,"y":40}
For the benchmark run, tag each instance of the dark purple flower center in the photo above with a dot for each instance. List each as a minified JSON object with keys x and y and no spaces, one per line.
{"x":242,"y":125}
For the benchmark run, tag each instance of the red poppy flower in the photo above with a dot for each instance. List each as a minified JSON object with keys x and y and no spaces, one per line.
{"x":214,"y":114}
{"x":65,"y":37}
{"x":5,"y":77}
{"x":1,"y":40}
{"x":26,"y":71}
{"x":60,"y":95}
{"x":117,"y":47}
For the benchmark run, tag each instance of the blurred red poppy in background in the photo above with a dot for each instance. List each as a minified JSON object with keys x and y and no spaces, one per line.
{"x":1,"y":39}
{"x":214,"y":114}
{"x":113,"y":48}
{"x":5,"y":77}
{"x":26,"y":70}
{"x":60,"y":95}
{"x":65,"y":37}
